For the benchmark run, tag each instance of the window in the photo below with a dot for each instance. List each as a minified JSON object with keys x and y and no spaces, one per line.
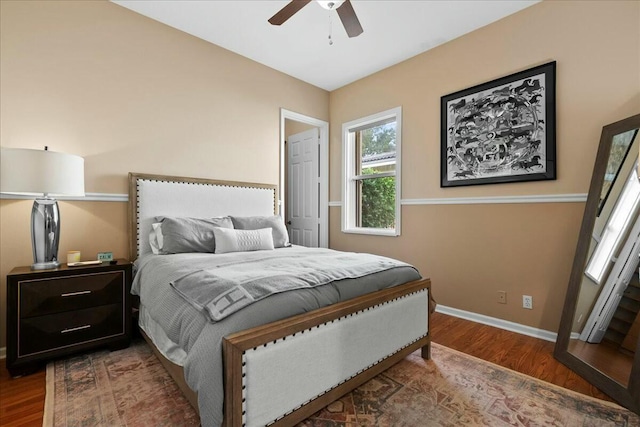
{"x":617,"y":226}
{"x":371,"y":174}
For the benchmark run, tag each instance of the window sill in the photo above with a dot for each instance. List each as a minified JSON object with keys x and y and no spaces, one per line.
{"x":372,"y":231}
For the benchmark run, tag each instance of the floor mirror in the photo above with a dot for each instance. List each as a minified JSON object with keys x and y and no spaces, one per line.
{"x":599,"y":331}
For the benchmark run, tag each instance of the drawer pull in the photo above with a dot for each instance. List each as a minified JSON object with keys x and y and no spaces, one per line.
{"x":72,"y":294}
{"x":65,"y":331}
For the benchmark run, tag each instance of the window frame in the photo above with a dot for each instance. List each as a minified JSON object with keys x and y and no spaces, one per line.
{"x":350,"y":178}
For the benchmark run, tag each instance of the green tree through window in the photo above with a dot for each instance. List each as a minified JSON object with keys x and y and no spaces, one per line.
{"x":379,"y":202}
{"x":378,"y":194}
{"x":380,"y":139}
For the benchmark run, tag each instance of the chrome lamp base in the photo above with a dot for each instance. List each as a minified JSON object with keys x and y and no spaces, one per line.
{"x":45,"y":265}
{"x":45,"y":233}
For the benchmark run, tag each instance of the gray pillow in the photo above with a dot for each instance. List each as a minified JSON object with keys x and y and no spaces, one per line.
{"x":275,"y":222}
{"x":181,"y":234}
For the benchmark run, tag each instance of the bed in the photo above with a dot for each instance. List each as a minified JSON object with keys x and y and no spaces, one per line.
{"x":287,"y":354}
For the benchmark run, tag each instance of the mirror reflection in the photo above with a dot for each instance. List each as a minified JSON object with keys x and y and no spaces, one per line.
{"x":606,"y":322}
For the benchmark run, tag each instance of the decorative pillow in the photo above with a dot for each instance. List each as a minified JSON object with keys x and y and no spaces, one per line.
{"x":276,"y":223}
{"x":230,"y":240}
{"x":181,"y":234}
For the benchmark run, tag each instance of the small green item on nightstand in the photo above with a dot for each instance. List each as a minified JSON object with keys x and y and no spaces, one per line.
{"x":105,"y":256}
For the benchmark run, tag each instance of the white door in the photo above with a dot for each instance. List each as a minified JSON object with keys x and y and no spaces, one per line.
{"x":303,"y":188}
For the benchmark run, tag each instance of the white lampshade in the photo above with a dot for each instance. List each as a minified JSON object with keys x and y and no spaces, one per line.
{"x":38,"y":172}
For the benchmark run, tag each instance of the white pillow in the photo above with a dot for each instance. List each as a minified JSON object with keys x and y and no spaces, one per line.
{"x":275,"y":222}
{"x":231,"y":240}
{"x":156,"y":240}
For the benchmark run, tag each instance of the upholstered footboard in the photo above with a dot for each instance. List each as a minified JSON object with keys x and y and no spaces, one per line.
{"x":281,"y":373}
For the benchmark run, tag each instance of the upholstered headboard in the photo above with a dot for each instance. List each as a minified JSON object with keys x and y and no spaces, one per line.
{"x":159,"y":195}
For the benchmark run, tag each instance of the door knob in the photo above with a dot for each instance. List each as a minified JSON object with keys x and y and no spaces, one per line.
{"x":288,"y":222}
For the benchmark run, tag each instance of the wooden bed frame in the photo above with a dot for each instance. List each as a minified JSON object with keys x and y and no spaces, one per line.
{"x":244,"y":351}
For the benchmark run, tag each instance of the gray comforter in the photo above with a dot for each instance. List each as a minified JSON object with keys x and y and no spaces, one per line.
{"x":201,"y":339}
{"x":227,"y":286}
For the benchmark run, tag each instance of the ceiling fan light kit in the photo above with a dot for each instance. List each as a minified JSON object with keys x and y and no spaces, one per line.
{"x":343,"y":7}
{"x":330,"y":4}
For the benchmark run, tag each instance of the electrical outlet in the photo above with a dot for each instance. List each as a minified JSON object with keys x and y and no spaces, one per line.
{"x":502,"y":297}
{"x":527,"y":302}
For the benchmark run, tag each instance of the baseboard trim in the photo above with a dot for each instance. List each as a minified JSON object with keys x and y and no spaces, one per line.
{"x":88,"y":197}
{"x":498,"y":323}
{"x":3,"y":353}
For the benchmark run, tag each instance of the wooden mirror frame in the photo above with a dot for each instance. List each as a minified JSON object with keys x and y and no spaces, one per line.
{"x":630,"y":396}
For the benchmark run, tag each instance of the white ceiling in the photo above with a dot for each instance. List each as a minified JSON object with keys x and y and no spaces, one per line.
{"x":394,"y":30}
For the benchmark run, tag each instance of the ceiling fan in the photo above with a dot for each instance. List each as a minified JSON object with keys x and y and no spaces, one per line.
{"x":343,"y":7}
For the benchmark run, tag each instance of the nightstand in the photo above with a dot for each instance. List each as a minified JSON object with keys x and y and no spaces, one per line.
{"x":53,"y":313}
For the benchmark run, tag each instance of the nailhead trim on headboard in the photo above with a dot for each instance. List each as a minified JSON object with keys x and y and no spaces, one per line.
{"x":134,"y":197}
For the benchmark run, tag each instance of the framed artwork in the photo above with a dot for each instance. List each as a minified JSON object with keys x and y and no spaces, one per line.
{"x":500,"y":131}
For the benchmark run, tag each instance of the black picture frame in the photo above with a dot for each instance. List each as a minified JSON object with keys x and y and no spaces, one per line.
{"x":500,"y":131}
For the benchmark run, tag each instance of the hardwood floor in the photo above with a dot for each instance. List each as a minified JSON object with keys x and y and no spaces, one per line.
{"x":530,"y":356}
{"x":22,"y":399}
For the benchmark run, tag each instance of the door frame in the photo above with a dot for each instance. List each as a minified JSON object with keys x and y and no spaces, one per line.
{"x":323,"y":202}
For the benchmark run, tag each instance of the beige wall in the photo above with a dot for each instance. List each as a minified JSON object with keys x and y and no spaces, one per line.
{"x":130,"y":94}
{"x":472,"y":251}
{"x":293,"y":127}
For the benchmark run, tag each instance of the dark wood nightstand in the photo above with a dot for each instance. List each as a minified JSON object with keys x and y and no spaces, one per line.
{"x":53,"y":313}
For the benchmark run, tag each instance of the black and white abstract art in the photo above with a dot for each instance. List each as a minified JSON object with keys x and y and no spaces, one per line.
{"x":500,"y":131}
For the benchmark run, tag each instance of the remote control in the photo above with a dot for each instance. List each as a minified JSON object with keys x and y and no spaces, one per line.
{"x":81,"y":263}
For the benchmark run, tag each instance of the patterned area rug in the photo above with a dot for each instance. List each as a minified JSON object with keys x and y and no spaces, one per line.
{"x":130,"y":388}
{"x":122,"y":388}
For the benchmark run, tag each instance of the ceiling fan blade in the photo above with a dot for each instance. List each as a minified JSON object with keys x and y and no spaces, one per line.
{"x":349,"y":19}
{"x":288,"y":11}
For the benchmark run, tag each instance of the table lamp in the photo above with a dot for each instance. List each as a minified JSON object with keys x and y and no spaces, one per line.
{"x":43,"y":174}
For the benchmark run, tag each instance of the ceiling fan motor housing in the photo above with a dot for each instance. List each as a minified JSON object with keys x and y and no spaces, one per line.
{"x":330,"y":4}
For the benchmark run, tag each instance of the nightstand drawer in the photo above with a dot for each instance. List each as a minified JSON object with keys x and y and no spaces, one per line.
{"x":52,"y":332}
{"x":42,"y":297}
